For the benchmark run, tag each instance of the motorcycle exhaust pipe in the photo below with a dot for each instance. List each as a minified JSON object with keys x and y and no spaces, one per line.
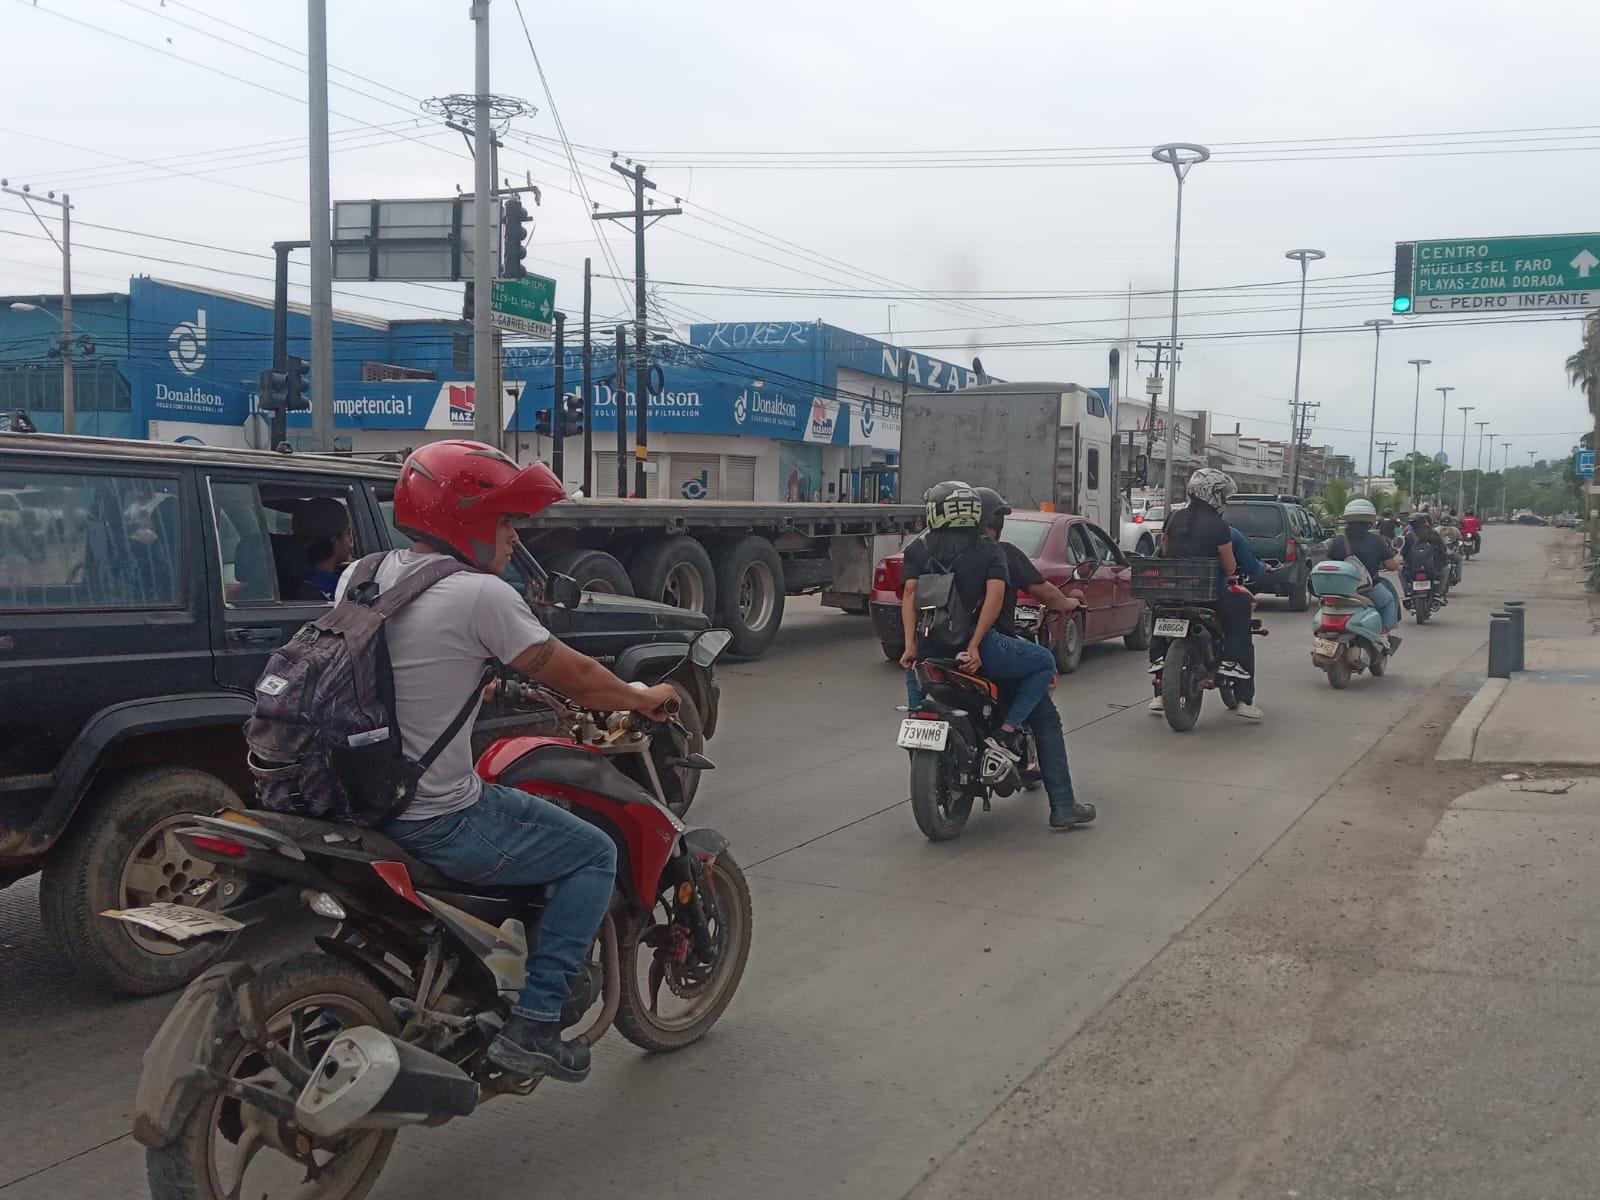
{"x":369,"y":1080}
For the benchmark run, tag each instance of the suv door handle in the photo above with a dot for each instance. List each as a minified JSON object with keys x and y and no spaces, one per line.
{"x":254,"y":634}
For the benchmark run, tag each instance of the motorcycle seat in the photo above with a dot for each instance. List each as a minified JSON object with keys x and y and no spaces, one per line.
{"x":951,"y":667}
{"x":333,"y":836}
{"x":577,"y":768}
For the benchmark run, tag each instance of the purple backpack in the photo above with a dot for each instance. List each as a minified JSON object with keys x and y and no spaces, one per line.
{"x":324,"y":741}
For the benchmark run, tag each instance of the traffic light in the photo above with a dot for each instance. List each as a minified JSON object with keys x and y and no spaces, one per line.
{"x":297,"y":386}
{"x":513,"y":231}
{"x":274,"y":391}
{"x":1404,"y":261}
{"x":468,"y":298}
{"x":541,"y":423}
{"x":571,"y":424}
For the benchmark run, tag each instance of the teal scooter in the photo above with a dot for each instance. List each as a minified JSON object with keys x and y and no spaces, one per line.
{"x":1348,"y":635}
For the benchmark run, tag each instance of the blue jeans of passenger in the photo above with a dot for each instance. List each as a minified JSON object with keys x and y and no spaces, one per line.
{"x":511,"y":839}
{"x":1387,"y":602}
{"x":1032,"y":667}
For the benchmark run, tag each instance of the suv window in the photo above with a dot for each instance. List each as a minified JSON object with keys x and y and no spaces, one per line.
{"x":87,"y":542}
{"x":1255,"y":520}
{"x":281,"y":543}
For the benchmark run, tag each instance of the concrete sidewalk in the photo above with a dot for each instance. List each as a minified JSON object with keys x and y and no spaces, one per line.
{"x":1548,"y":714}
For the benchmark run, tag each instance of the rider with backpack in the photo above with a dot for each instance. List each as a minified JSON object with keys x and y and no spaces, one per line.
{"x":407,"y":650}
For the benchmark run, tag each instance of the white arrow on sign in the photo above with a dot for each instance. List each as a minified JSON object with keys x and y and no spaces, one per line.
{"x":1585,"y":262}
{"x":544,"y":309}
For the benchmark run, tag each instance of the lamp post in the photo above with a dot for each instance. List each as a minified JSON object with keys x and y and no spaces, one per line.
{"x":1461,"y":471}
{"x":1444,"y":409}
{"x":1416,"y":403}
{"x":1477,"y":482}
{"x":1376,"y":325}
{"x":1180,"y":156}
{"x":1505,"y":479}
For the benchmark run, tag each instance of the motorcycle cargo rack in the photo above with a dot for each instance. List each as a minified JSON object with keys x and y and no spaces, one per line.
{"x":1173,"y":579}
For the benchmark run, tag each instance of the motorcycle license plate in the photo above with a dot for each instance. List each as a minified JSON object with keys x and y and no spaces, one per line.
{"x":1324,"y":647}
{"x":924,"y":735}
{"x":1422,"y":585}
{"x":175,"y":920}
{"x":1172,"y":627}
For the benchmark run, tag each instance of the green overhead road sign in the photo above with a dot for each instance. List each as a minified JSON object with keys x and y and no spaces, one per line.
{"x":1512,"y":274}
{"x":524,"y":305}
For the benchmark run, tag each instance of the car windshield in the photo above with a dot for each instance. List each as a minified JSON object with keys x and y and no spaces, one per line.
{"x":1254,"y":520}
{"x":1027,"y":536}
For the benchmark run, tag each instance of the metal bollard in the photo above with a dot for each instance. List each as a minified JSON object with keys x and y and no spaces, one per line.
{"x":1519,"y":631}
{"x":1500,"y":648}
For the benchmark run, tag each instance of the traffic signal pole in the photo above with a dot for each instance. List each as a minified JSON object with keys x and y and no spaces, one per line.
{"x":558,"y":415}
{"x":486,"y":401}
{"x":280,"y":331}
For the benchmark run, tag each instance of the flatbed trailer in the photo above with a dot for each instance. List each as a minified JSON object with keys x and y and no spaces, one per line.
{"x":734,"y":560}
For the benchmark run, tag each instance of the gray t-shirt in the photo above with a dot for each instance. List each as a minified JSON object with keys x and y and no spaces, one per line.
{"x":437,"y":647}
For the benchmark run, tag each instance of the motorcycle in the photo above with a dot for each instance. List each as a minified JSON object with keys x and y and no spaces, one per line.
{"x":1419,"y":595}
{"x":951,"y":763}
{"x":1348,"y":635}
{"x":1194,"y":652}
{"x":296,"y":1075}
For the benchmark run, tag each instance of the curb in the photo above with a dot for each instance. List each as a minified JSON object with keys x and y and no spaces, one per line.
{"x":1459,"y":741}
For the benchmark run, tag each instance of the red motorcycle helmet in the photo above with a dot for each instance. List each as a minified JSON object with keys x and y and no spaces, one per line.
{"x":454,"y":493}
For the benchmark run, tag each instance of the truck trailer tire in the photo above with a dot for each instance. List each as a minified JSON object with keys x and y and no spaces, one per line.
{"x":595,"y":571}
{"x":750,"y":594}
{"x":676,"y":570}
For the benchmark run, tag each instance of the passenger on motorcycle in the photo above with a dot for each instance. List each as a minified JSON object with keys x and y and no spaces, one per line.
{"x":1388,"y":524}
{"x":1472,"y":528}
{"x":1198,"y":531}
{"x":955,"y":544}
{"x":1045,"y":720}
{"x":1423,"y":547}
{"x":1377,"y":555}
{"x":461,"y":499}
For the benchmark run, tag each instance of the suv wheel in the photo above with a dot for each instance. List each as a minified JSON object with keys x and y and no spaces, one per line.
{"x":121,"y":853}
{"x":1299,"y":599}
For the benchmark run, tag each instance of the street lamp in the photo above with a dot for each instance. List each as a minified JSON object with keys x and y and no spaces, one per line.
{"x":24,"y":306}
{"x":1477,"y":482}
{"x":1416,"y":403}
{"x":1304,"y":257}
{"x":1505,"y":479}
{"x":1180,"y":156}
{"x":1444,"y":406}
{"x":1376,"y":324}
{"x":1461,"y":471}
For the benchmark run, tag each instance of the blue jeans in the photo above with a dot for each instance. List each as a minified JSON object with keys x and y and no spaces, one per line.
{"x":511,"y":839}
{"x":1387,"y":602}
{"x":1032,"y":666}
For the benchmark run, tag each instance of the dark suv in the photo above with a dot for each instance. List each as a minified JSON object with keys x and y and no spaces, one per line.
{"x":142,"y":588}
{"x":1287,"y":538}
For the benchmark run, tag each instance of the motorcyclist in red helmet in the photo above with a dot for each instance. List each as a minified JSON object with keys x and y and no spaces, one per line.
{"x":463,"y":499}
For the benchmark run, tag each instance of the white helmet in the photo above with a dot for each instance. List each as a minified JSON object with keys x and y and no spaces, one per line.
{"x":1211,"y":486}
{"x":1360,"y":509}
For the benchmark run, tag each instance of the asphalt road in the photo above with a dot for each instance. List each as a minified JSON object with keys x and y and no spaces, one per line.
{"x":898,"y":990}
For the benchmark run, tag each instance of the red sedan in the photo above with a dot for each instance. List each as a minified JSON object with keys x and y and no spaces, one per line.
{"x":1071,"y":553}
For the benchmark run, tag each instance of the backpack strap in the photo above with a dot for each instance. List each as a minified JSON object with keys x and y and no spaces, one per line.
{"x":413,"y":585}
{"x":454,"y":727}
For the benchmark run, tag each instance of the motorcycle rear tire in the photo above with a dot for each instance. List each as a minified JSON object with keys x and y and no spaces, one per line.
{"x":1338,"y":671}
{"x":1423,"y":611}
{"x":1182,"y":710}
{"x":939,"y":812}
{"x":1378,"y":662}
{"x":183,"y":1169}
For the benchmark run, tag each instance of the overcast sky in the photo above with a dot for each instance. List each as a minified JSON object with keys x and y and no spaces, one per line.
{"x":898,"y":99}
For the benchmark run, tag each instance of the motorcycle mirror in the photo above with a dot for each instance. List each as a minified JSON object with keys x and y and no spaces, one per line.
{"x":563,"y":590}
{"x":708,"y":647}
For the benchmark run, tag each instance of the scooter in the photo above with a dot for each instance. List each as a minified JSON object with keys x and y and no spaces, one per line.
{"x":1348,"y":636}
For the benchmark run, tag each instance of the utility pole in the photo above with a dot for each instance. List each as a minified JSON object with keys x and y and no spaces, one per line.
{"x":558,"y":407}
{"x":588,"y":391}
{"x":642,"y":219}
{"x":1477,"y":482}
{"x":1153,"y":386}
{"x":1300,"y":430}
{"x":486,"y":402}
{"x":321,"y":213}
{"x":621,"y":392}
{"x":1385,"y":447}
{"x":69,"y":409}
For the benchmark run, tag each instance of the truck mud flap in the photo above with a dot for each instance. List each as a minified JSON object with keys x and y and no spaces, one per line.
{"x":176,"y":1072}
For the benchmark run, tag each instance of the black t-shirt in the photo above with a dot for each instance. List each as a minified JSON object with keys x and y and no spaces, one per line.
{"x":1197,"y":530}
{"x":1388,"y":525}
{"x":1363,"y":544}
{"x":972,"y":564}
{"x":1023,"y":575}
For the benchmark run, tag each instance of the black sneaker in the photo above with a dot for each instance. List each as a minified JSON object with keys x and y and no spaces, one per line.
{"x":585,"y":987}
{"x":1394,"y":642}
{"x":525,"y":1048}
{"x":1232,"y":670}
{"x":1067,"y":818}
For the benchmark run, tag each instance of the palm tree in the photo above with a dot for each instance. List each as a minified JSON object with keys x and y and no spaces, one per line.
{"x":1583,"y":368}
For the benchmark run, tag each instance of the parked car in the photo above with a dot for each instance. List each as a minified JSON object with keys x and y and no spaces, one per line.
{"x":129,"y":649}
{"x":1565,"y":521}
{"x":1287,"y":538}
{"x":1529,"y":518}
{"x":1071,"y":553}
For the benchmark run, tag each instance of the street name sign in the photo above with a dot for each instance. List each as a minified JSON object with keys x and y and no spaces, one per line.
{"x":524,"y":305}
{"x":1504,"y":274}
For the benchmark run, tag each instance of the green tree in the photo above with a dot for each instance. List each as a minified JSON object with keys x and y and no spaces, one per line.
{"x":1428,"y":474}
